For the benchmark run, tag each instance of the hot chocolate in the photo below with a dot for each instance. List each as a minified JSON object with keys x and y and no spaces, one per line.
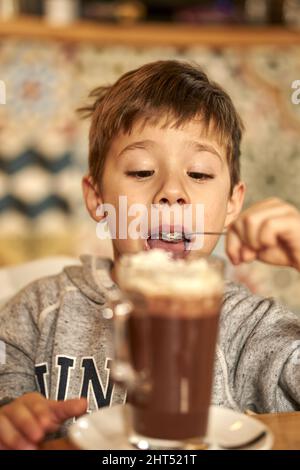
{"x":172,"y":332}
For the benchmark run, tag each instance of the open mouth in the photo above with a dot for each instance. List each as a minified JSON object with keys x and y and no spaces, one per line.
{"x":174,"y":241}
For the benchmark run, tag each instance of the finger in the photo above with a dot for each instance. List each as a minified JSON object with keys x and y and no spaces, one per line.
{"x":10,"y":438}
{"x":247,"y":254}
{"x":44,"y":415}
{"x":248,"y":226}
{"x":233,"y":246}
{"x":286,"y":227}
{"x":283,"y":233}
{"x":252,"y":222}
{"x":275,"y":256}
{"x":261,"y":207}
{"x":24,"y":421}
{"x":64,"y":410}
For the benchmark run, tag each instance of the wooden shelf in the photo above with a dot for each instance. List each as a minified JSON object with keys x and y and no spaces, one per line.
{"x":148,"y":34}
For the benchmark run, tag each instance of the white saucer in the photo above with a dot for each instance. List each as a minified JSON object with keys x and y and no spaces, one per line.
{"x":104,"y":429}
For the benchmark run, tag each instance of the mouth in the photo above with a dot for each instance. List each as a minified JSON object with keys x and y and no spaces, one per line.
{"x":171,"y":239}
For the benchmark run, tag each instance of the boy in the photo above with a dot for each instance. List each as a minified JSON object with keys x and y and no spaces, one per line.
{"x":162,"y":134}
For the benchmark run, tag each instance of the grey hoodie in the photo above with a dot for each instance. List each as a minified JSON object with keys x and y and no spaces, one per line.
{"x":57,"y":337}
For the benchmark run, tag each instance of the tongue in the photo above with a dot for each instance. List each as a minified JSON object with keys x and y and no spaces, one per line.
{"x":168,"y":246}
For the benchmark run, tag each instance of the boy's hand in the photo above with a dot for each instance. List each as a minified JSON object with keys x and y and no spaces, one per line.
{"x":268,"y":231}
{"x":26,"y":421}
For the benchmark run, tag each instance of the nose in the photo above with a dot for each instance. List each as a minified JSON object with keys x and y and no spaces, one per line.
{"x":171,"y":192}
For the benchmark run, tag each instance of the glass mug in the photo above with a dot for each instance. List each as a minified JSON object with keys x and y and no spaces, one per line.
{"x":164,"y":355}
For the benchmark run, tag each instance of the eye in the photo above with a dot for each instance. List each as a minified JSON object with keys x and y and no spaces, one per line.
{"x":200,"y":176}
{"x":140,"y":174}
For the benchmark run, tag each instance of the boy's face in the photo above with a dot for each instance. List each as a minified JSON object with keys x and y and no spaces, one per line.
{"x":178,"y":166}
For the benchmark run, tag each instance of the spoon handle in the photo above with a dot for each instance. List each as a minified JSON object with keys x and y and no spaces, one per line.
{"x":207,"y":233}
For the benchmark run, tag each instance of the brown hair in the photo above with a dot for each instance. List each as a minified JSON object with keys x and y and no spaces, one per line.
{"x":177,"y":90}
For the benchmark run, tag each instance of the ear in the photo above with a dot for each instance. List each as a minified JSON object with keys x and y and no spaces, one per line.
{"x":235,"y":203}
{"x":91,"y":197}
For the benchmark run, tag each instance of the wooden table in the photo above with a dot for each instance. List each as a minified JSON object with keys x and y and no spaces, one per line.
{"x":285,"y":427}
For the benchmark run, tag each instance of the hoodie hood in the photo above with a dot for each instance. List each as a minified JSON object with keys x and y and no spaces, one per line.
{"x":93,"y":277}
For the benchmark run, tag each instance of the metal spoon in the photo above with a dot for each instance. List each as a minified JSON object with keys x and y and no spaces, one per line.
{"x":242,"y":445}
{"x":207,"y":233}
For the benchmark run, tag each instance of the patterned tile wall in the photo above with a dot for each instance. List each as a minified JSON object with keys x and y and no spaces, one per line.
{"x":43,"y":145}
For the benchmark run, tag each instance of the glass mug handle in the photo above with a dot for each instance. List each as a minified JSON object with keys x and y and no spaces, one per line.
{"x":122,"y":371}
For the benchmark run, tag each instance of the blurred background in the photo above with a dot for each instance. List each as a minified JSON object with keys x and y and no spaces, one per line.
{"x":53,"y":52}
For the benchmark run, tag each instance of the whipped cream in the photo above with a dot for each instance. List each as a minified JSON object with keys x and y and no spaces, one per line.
{"x":156,"y":272}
